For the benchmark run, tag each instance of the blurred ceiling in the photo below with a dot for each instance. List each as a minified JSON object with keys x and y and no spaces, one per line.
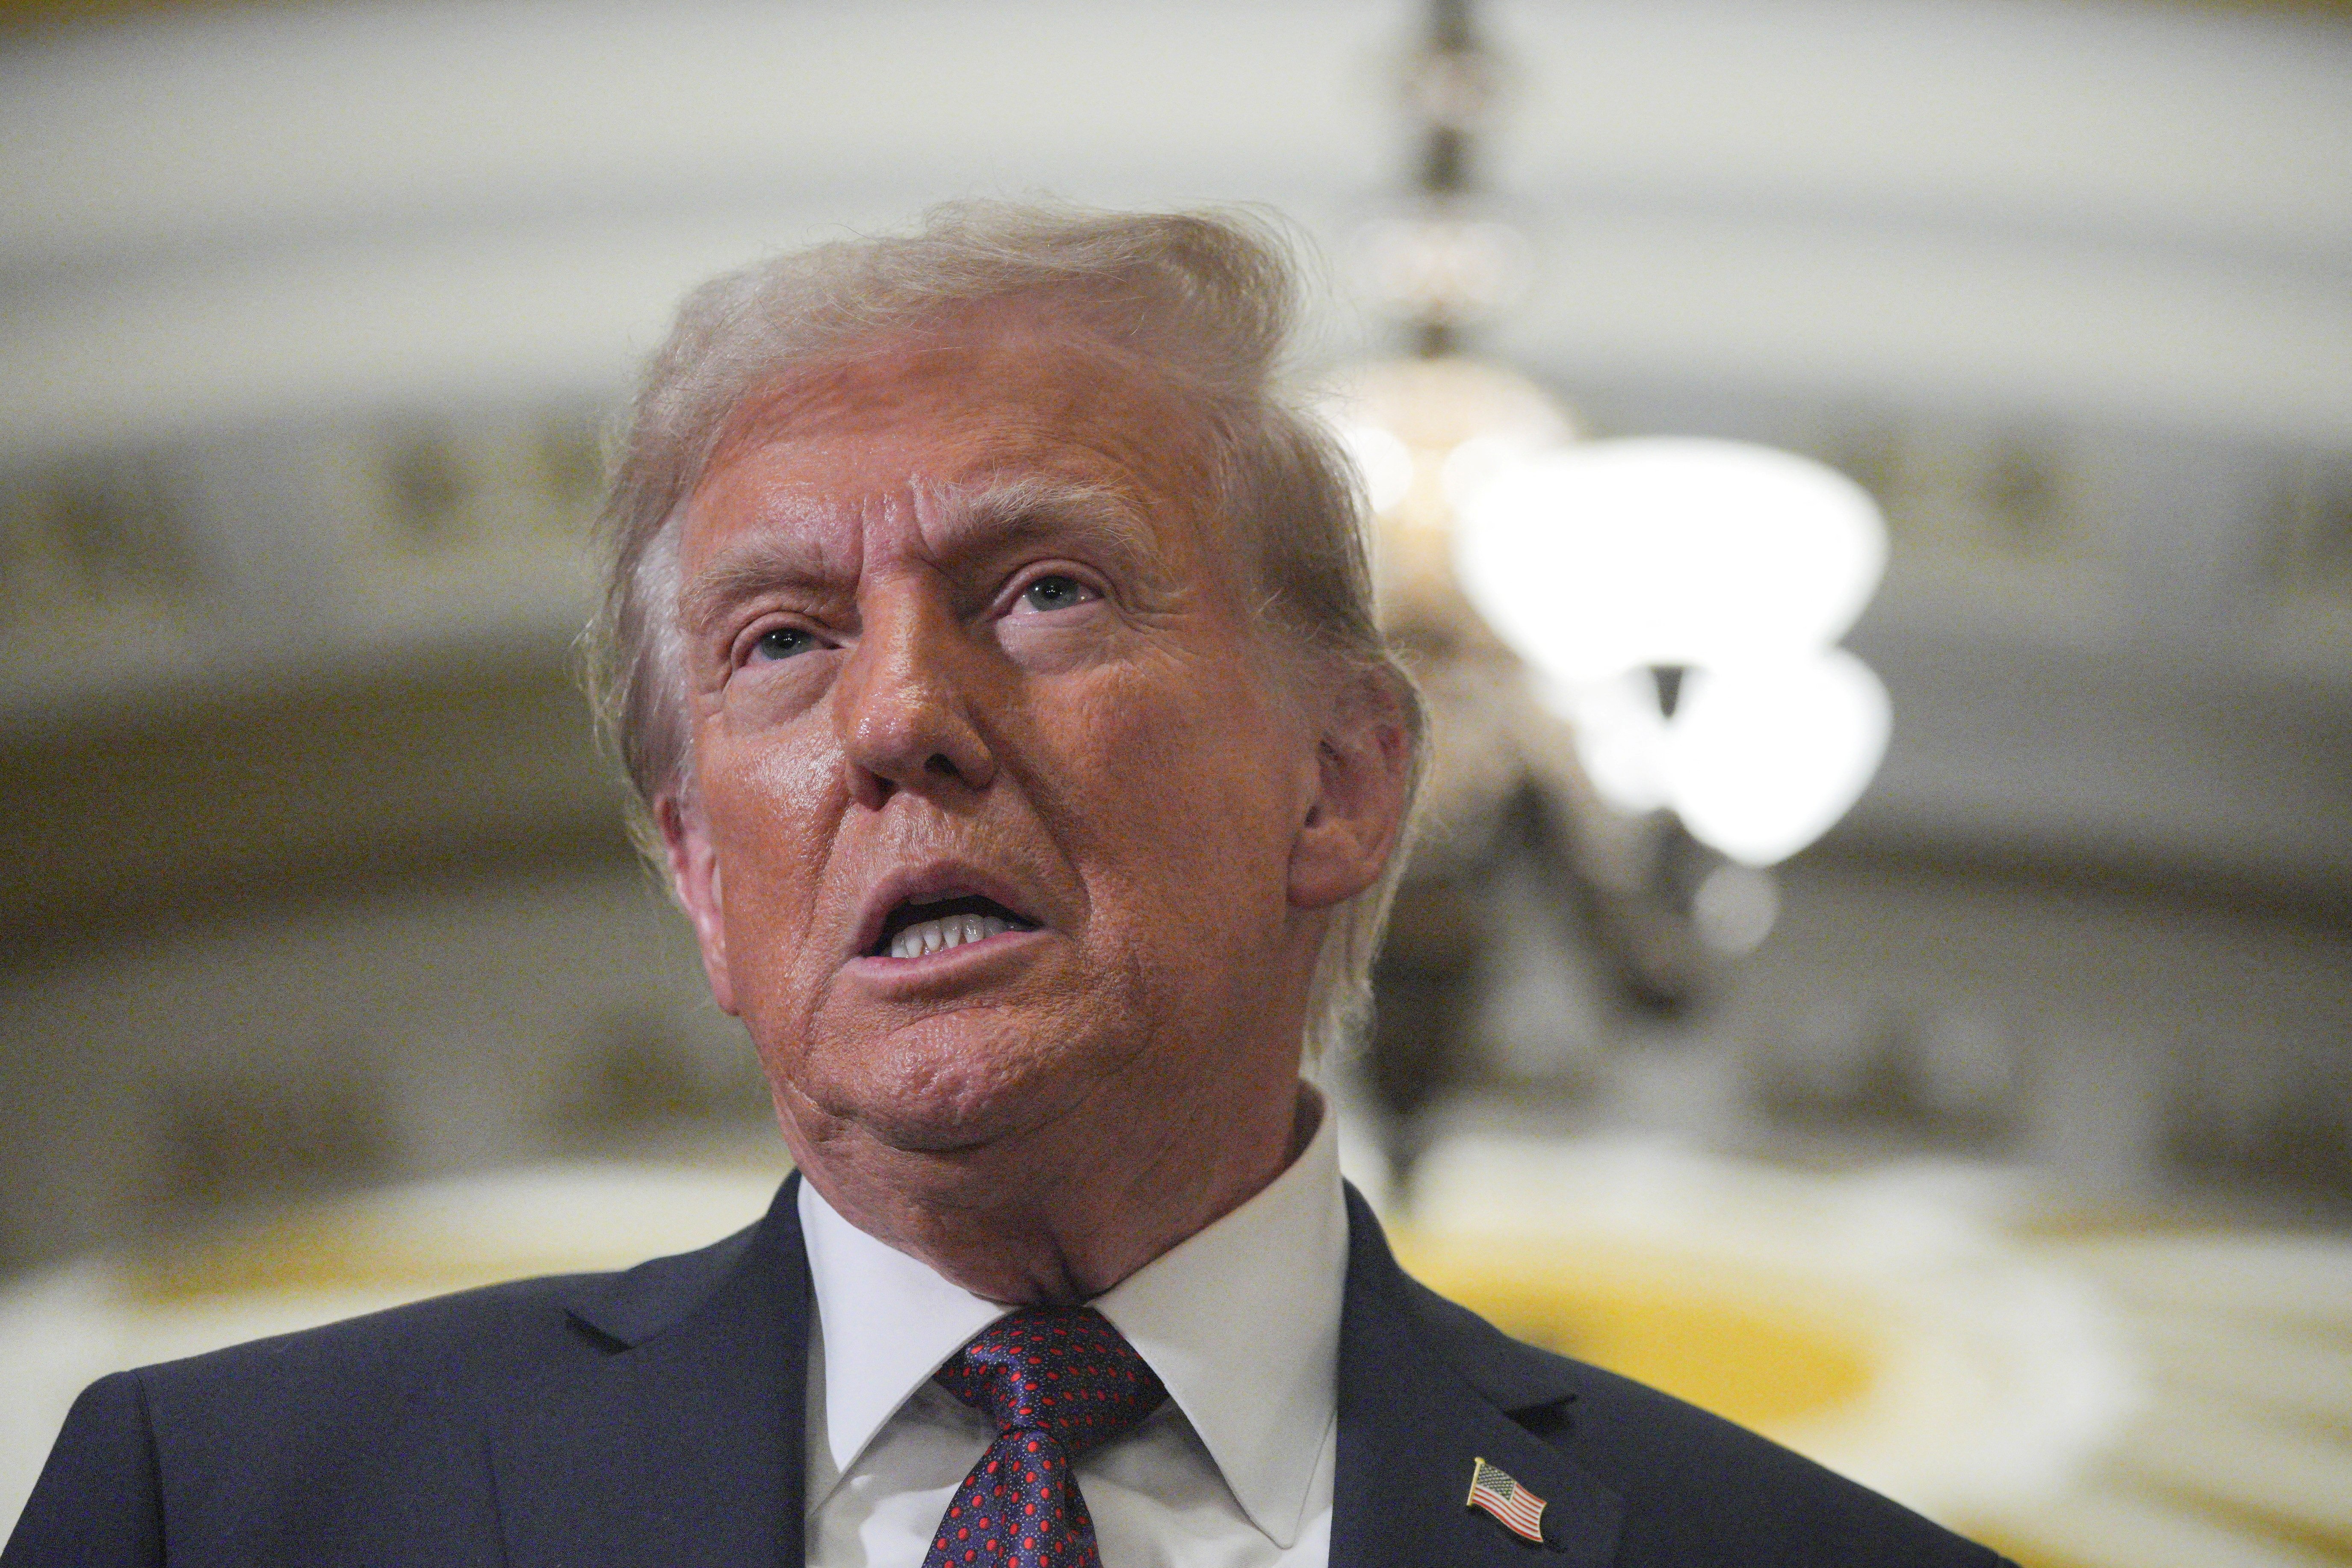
{"x":2042,"y":206}
{"x":50,"y":12}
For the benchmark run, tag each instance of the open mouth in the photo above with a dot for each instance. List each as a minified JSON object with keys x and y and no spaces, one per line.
{"x":915,"y":927}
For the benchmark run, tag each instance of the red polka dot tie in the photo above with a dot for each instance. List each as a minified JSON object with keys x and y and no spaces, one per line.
{"x":1058,"y":1381}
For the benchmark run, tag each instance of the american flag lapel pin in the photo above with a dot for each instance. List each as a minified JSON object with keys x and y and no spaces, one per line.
{"x":1520,"y":1509}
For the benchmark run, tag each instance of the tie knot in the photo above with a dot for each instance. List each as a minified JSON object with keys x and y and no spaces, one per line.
{"x":1062,"y":1371}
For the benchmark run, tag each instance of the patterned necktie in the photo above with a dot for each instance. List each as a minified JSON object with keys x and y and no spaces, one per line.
{"x":1058,"y":1381}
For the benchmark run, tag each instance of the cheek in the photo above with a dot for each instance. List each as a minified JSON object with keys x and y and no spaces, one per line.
{"x":768,"y":806}
{"x":1180,"y":789}
{"x":785,"y":780}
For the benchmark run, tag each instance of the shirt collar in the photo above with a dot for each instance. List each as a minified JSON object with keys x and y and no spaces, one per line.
{"x":888,"y":1322}
{"x":1241,"y":1320}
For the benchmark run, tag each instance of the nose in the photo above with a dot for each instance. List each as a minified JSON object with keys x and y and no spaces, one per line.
{"x":902,"y":705}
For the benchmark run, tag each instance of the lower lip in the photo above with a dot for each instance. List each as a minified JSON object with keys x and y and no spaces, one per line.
{"x":946,"y":964}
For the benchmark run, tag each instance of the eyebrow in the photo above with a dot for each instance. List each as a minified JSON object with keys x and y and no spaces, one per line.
{"x":741,"y":572}
{"x":978,"y":517}
{"x":991,"y":513}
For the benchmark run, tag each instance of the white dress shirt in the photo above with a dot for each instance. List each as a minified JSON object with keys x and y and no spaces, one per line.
{"x":1241,"y":1321}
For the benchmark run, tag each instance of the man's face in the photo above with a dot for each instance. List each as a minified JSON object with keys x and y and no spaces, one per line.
{"x":968,"y":661}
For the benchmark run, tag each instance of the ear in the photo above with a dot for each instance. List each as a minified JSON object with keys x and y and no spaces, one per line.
{"x":694,"y":878}
{"x":1356,"y":819}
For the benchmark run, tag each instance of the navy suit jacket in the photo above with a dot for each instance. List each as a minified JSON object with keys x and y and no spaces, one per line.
{"x":653,"y":1419}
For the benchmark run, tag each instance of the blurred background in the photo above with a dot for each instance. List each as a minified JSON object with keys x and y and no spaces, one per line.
{"x":1996,"y":1147}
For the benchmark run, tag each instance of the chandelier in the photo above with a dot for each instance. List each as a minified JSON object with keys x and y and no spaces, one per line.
{"x":1675,"y":604}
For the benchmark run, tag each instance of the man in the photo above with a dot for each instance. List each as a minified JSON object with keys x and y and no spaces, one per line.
{"x":992,"y":647}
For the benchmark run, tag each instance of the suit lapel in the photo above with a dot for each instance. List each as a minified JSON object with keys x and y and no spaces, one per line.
{"x":673,"y":1435}
{"x":1425,"y":1390}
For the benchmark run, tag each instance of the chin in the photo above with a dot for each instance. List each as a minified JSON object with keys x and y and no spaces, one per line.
{"x":953,"y":1084}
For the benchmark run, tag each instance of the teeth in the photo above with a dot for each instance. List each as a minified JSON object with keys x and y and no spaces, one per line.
{"x":949,"y":930}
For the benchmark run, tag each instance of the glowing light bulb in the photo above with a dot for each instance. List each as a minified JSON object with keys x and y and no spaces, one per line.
{"x":1762,"y":759}
{"x":1596,"y":558}
{"x":1620,"y":737}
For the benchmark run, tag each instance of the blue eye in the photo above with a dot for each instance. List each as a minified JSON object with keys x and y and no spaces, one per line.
{"x":1055,"y":592}
{"x":781,"y":642}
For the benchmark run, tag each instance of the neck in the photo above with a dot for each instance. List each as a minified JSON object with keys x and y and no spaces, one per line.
{"x":1032,"y":1220}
